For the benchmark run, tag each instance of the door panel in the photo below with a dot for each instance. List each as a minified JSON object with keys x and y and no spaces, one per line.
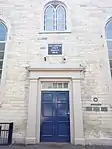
{"x":47,"y":128}
{"x":47,"y":97}
{"x":47,"y":109}
{"x":62,"y":115}
{"x":55,"y":120}
{"x":62,"y":109}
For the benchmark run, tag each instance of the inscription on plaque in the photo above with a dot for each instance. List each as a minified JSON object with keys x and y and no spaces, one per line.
{"x":54,"y":49}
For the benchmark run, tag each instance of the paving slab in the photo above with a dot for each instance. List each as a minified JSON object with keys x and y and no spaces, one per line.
{"x":53,"y":146}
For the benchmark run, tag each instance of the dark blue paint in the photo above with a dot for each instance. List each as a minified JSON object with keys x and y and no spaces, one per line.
{"x":55,"y":118}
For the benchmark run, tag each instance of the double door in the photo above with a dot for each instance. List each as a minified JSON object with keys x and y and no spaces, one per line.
{"x":55,"y":116}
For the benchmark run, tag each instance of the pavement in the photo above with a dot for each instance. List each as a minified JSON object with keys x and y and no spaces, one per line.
{"x":53,"y":146}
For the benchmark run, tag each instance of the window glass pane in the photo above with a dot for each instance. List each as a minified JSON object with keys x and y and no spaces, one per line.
{"x":61,"y":18}
{"x":46,"y":85}
{"x":60,"y":85}
{"x":110,"y":63}
{"x":110,"y":53}
{"x":111,"y":71}
{"x":1,"y":55}
{"x":54,"y":85}
{"x":0,"y":73}
{"x":109,"y":30}
{"x":2,"y":46}
{"x":3,"y":32}
{"x":109,"y":43}
{"x":1,"y":63}
{"x":49,"y":85}
{"x":55,"y":4}
{"x":49,"y":17}
{"x":65,"y":85}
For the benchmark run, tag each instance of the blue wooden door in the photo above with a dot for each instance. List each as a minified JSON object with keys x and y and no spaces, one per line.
{"x":55,"y":117}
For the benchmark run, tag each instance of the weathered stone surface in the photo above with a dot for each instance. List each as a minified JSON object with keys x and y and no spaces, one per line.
{"x":86,"y":43}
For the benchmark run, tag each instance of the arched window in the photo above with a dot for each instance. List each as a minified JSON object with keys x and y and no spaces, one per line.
{"x":3,"y":36}
{"x":55,"y":17}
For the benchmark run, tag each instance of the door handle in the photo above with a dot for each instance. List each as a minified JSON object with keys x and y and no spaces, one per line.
{"x":67,"y":113}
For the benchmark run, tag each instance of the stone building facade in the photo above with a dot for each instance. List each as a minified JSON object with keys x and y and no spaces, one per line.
{"x":82,"y":66}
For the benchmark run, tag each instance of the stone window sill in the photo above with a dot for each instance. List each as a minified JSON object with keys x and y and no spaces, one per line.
{"x":54,"y":32}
